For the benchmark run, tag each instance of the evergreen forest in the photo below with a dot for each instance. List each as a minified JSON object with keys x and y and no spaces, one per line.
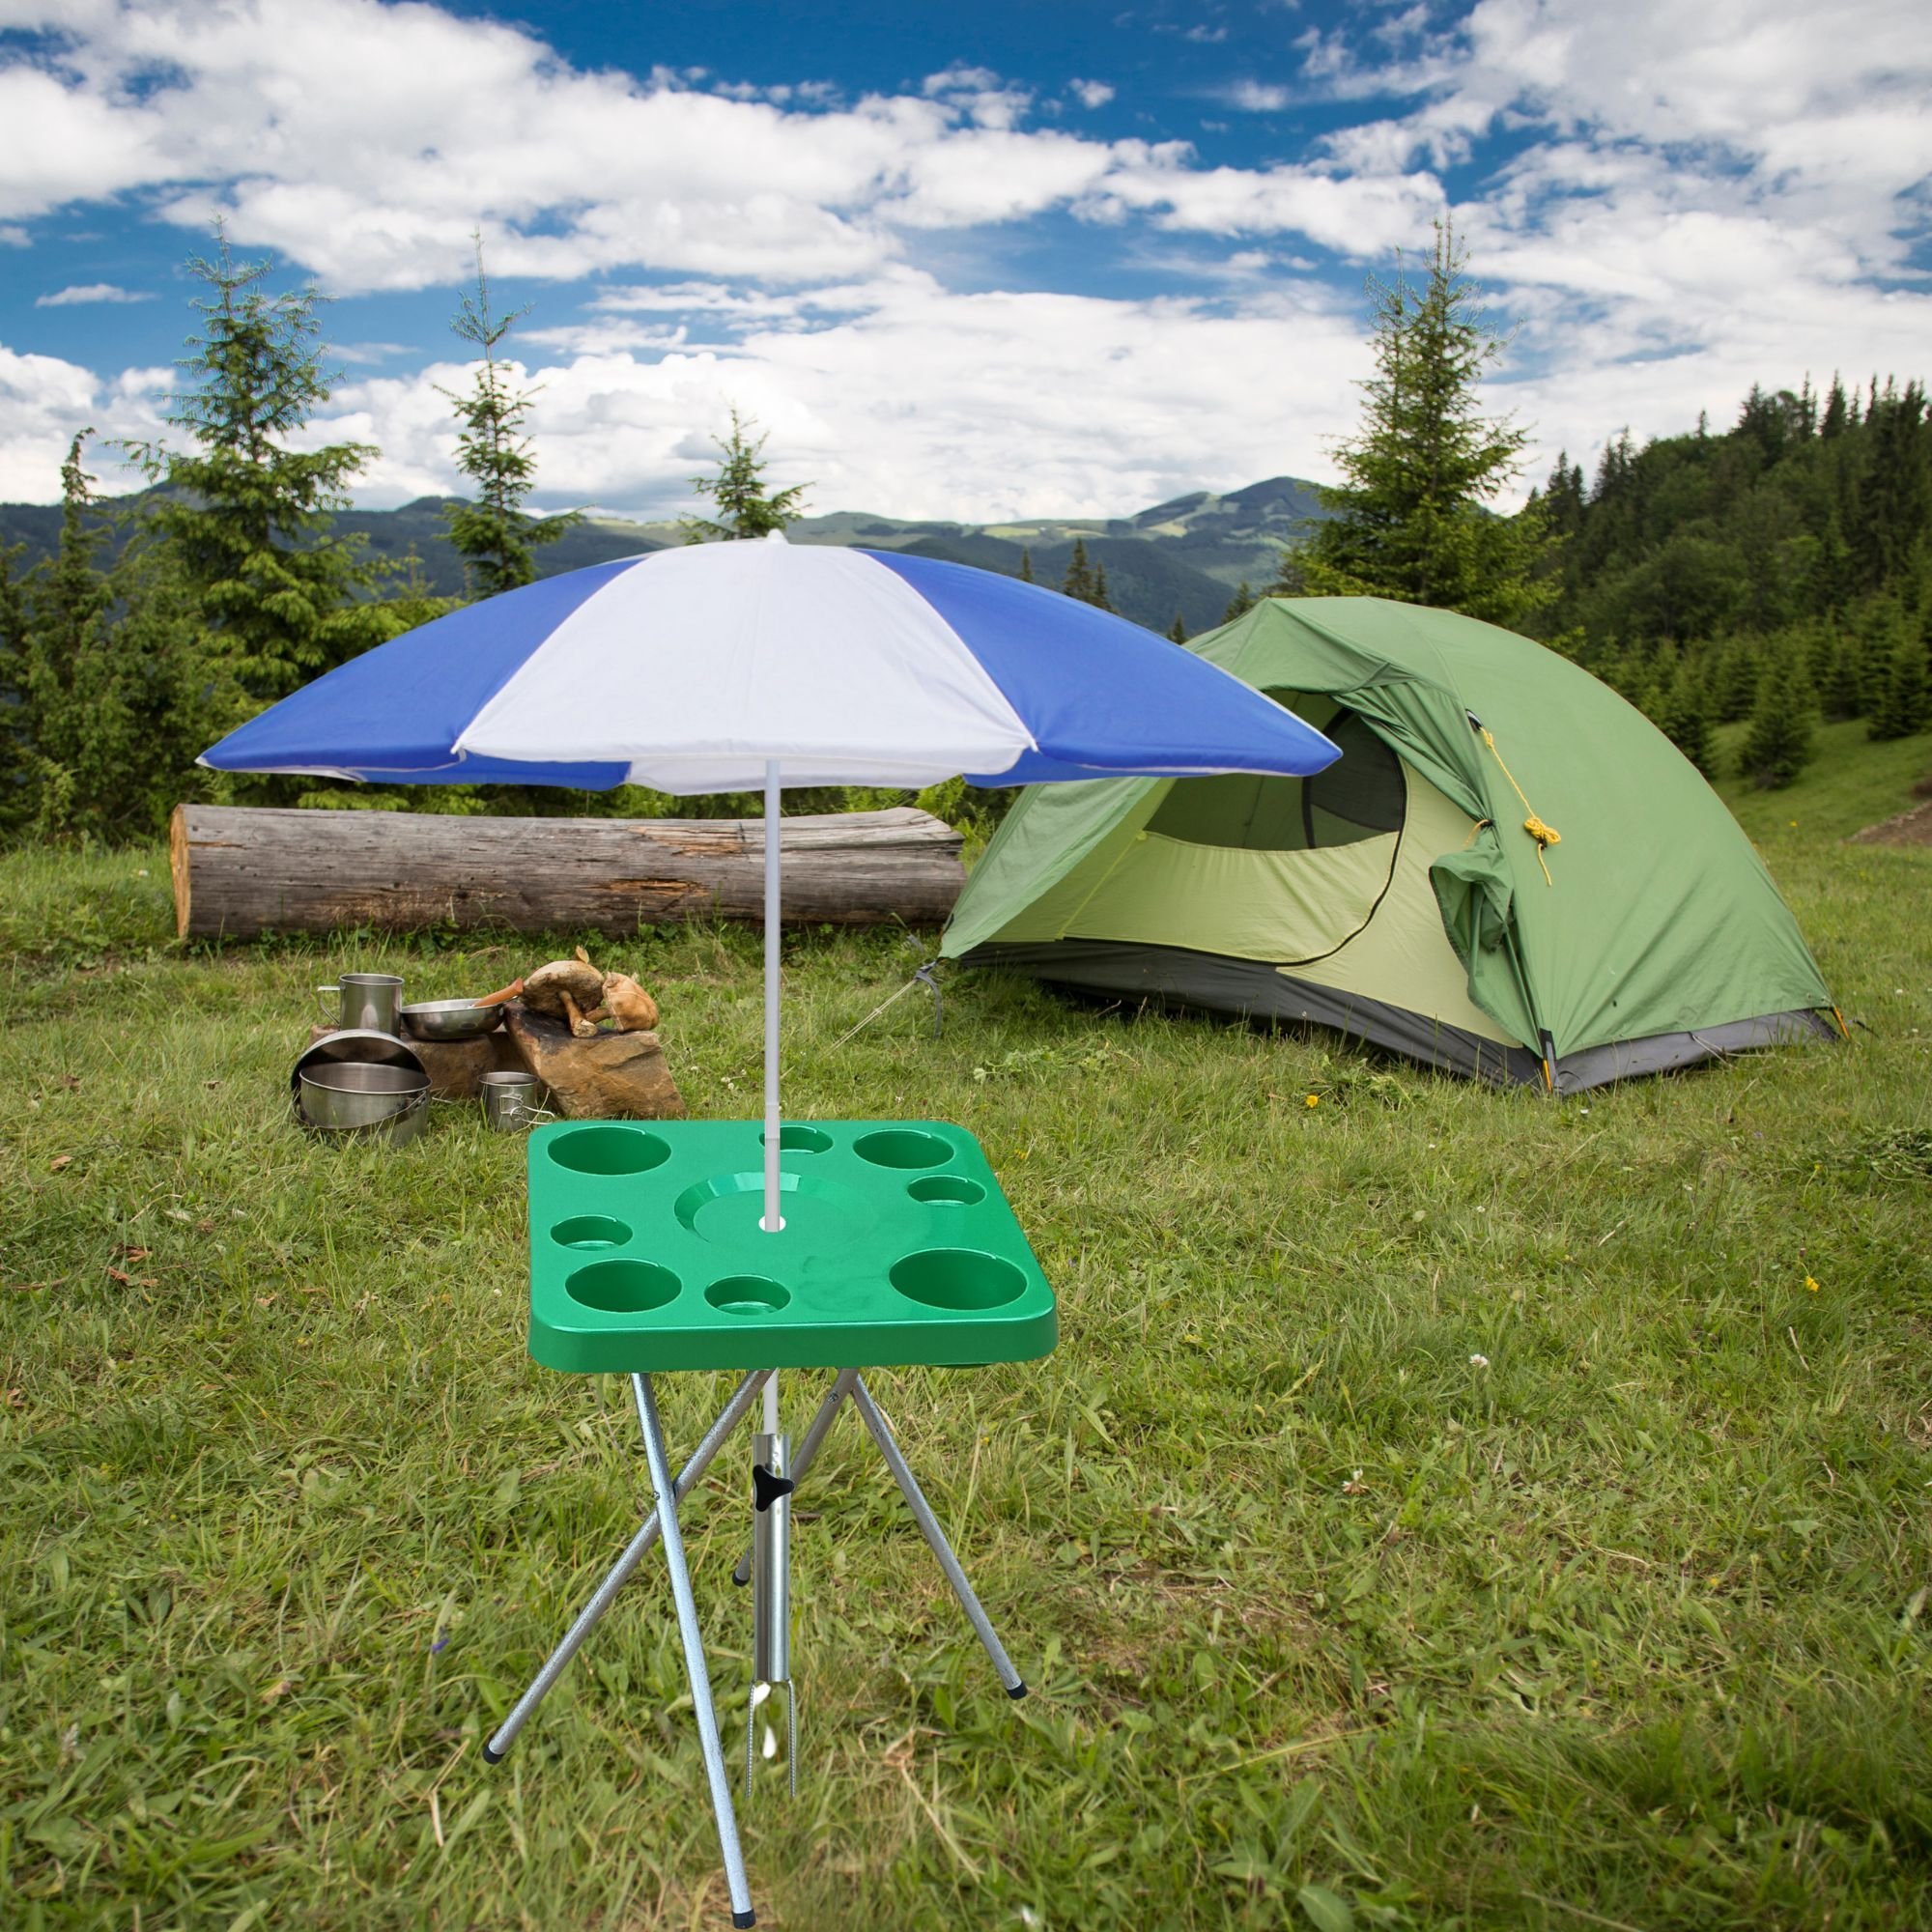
{"x":1779,"y":570}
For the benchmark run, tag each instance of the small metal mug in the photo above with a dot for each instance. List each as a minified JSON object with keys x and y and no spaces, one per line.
{"x":509,"y":1101}
{"x":371,"y":1000}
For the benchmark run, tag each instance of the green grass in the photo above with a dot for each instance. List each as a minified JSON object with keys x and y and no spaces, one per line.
{"x":1445,"y":1507}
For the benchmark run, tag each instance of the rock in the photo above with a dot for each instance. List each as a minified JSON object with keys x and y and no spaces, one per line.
{"x":456,"y":1066}
{"x":610,"y":1076}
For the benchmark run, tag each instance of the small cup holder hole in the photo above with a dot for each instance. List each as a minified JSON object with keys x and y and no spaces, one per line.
{"x":747,"y":1294}
{"x":623,"y":1287}
{"x":947,"y":1190}
{"x":902,"y":1146}
{"x":608,"y":1151}
{"x":796,"y":1139}
{"x":590,"y":1230}
{"x":959,"y":1278}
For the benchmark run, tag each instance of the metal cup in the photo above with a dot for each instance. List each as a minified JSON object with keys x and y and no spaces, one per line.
{"x":509,"y":1101}
{"x":370,"y":1000}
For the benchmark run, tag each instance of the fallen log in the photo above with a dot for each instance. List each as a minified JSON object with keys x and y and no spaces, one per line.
{"x":242,"y":871}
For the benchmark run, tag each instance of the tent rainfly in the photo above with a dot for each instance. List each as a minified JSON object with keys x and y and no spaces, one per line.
{"x":1510,"y":873}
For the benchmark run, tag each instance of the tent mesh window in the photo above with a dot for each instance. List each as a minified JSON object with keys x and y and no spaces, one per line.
{"x":1362,"y":795}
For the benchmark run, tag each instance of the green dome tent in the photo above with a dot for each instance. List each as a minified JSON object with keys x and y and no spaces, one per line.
{"x":1510,"y":872}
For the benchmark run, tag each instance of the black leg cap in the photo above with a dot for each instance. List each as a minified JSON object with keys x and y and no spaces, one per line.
{"x":1017,"y":1693}
{"x":741,"y":1581}
{"x":491,"y":1757}
{"x":744,"y":1919}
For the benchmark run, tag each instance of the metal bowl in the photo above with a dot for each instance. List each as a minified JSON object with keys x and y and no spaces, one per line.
{"x":360,"y":1094}
{"x":451,"y":1019}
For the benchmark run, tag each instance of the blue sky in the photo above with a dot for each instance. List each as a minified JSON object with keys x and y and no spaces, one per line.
{"x":977,"y":261}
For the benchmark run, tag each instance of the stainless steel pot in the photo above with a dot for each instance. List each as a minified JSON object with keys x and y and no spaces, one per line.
{"x":360,"y":1094}
{"x":347,"y":1075}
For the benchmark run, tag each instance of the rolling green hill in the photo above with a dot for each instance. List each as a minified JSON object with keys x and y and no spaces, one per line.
{"x":1184,"y":557}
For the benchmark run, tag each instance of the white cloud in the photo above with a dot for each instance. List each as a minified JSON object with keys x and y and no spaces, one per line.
{"x":308,"y":125}
{"x":1673,"y":202}
{"x":46,"y":401}
{"x":925,"y":403}
{"x":92,"y":292}
{"x":1257,"y":97}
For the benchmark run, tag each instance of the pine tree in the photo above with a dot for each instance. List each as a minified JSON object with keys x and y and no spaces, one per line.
{"x":1684,"y":717}
{"x":1026,"y":566}
{"x":1734,"y":681}
{"x":16,"y":741}
{"x":1412,"y":522}
{"x":495,"y":538}
{"x":1833,"y":423}
{"x":1100,"y":599}
{"x":247,"y":516}
{"x":1894,"y":496}
{"x":1781,"y":740}
{"x":1904,"y":704}
{"x":745,"y":508}
{"x":1078,"y":582}
{"x":115,"y":698}
{"x":1239,"y":604}
{"x":1177,"y":632}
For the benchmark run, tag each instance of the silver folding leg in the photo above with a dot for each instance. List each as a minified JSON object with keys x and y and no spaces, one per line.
{"x":693,"y":1655}
{"x":734,"y":1413}
{"x":869,"y":1409}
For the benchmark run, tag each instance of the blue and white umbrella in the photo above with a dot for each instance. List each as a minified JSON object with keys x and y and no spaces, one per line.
{"x":739,"y":665}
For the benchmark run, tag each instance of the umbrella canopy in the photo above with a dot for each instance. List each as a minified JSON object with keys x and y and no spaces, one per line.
{"x":693,"y":670}
{"x":725,"y":666}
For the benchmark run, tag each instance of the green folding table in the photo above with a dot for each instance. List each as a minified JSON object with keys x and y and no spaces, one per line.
{"x":647,"y":1255}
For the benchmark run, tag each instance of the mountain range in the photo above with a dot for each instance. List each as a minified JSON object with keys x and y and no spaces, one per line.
{"x":1180,"y":558}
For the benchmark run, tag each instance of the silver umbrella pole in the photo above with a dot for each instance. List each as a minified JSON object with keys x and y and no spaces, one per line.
{"x":772,"y":1219}
{"x":771,"y":1484}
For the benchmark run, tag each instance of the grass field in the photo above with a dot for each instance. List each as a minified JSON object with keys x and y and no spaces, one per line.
{"x":1445,"y":1507}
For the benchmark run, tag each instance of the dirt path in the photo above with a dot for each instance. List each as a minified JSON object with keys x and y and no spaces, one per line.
{"x":1909,"y":828}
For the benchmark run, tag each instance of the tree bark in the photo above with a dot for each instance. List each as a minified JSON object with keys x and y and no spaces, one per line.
{"x":243,"y":870}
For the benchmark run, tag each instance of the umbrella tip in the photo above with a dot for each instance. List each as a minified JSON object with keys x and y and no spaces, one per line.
{"x":776,"y":536}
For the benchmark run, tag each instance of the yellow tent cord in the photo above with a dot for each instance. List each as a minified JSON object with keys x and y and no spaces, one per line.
{"x":1544,"y":835}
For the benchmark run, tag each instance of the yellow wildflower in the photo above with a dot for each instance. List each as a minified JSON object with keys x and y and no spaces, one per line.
{"x":1313,"y":1100}
{"x":1810,"y":1284}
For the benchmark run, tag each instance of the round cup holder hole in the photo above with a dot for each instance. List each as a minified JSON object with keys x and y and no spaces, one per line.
{"x":747,"y":1294}
{"x":947,"y":1190}
{"x":608,"y":1151}
{"x":623,"y":1287}
{"x":797,"y":1139}
{"x":959,"y":1278}
{"x":590,"y":1230}
{"x":902,"y":1146}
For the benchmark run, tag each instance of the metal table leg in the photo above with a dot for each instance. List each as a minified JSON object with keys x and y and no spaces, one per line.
{"x":693,"y":1653}
{"x":869,"y":1409}
{"x":733,"y":1412}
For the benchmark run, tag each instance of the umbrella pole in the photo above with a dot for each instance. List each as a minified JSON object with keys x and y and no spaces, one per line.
{"x":772,"y":1219}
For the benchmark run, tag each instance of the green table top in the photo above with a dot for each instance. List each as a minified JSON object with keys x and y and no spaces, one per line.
{"x":646,"y":1252}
